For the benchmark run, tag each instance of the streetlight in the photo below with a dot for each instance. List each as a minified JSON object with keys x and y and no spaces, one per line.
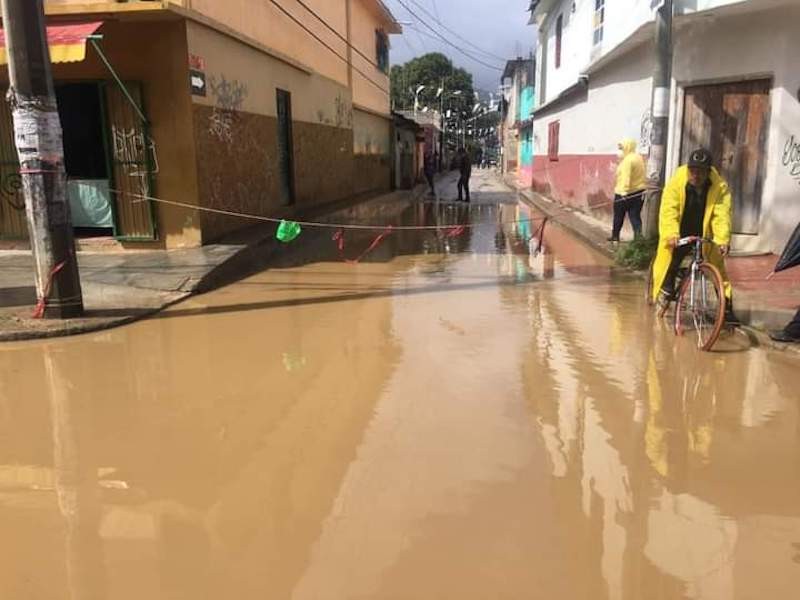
{"x":416,"y":97}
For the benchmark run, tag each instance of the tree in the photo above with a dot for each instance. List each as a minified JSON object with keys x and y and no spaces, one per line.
{"x":430,"y":70}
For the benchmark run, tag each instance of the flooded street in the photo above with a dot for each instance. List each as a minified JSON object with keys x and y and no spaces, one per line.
{"x":452,"y":417}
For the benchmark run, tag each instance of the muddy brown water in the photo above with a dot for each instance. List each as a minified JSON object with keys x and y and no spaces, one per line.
{"x":483,"y":423}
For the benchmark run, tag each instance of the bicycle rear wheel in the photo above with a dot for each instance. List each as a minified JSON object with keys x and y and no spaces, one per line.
{"x":701,"y":306}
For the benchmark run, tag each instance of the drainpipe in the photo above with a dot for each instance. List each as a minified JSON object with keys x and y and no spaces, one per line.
{"x":662,"y":84}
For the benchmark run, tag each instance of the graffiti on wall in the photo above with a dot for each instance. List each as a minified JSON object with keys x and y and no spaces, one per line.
{"x":135,"y":154}
{"x":791,"y":157}
{"x":10,"y":188}
{"x":342,"y":113}
{"x":229,"y":97}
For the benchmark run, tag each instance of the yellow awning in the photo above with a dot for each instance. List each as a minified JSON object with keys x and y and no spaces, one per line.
{"x":67,"y":41}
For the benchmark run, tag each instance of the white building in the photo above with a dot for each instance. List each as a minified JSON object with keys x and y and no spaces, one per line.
{"x":735,"y":90}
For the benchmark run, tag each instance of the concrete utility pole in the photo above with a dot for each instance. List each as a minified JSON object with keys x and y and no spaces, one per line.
{"x":662,"y":84}
{"x":40,"y":147}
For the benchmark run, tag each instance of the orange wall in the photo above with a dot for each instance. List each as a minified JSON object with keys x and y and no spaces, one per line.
{"x":261,"y":21}
{"x":373,"y":94}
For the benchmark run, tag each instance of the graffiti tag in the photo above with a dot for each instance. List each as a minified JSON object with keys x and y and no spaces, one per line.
{"x":10,"y":187}
{"x":229,"y":97}
{"x":131,"y":148}
{"x":791,"y":157}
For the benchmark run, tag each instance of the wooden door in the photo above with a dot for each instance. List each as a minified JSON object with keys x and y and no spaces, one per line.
{"x":13,"y":220}
{"x":134,"y":163}
{"x":732,"y":121}
{"x":285,"y":147}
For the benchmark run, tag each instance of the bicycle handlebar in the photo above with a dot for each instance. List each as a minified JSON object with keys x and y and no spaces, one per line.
{"x":693,"y":239}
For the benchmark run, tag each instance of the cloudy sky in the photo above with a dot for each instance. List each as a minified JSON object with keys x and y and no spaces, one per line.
{"x":497,"y":29}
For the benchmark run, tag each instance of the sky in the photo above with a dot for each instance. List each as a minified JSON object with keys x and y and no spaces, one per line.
{"x":497,"y":27}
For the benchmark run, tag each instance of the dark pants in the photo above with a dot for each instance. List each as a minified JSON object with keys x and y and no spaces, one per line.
{"x":793,"y":328}
{"x":628,"y":205}
{"x":463,"y":187}
{"x":677,"y":258}
{"x":429,"y":177}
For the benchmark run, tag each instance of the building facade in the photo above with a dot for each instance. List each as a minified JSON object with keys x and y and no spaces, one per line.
{"x":734,"y":90}
{"x":517,"y":83}
{"x":249,"y":106}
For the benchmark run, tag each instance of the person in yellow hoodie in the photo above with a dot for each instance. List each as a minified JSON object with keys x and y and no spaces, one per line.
{"x":696,"y":202}
{"x":629,"y":189}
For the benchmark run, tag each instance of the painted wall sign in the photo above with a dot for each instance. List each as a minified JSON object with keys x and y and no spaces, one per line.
{"x":197,"y":63}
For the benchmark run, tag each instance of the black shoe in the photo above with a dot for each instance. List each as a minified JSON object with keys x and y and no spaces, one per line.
{"x":731,"y":320}
{"x":613,"y":240}
{"x":784,"y":337}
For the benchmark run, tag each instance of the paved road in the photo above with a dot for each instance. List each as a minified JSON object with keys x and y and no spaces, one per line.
{"x":453,"y":417}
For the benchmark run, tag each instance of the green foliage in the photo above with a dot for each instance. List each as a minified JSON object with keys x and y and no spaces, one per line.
{"x":430,"y":70}
{"x":637,"y":254}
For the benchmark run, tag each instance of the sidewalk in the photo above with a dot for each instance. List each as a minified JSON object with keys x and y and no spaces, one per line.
{"x":121,"y":287}
{"x":762,"y":304}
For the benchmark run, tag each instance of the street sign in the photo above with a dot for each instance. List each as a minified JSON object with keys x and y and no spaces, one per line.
{"x":198,"y":82}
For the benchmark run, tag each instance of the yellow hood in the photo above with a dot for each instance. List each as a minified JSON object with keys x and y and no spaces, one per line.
{"x":631,"y":177}
{"x":628,"y":146}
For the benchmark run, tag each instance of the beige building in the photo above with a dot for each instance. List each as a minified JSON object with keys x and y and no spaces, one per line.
{"x":248,"y":106}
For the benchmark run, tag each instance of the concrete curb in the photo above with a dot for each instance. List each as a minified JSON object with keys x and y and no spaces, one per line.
{"x":595,"y":238}
{"x":255,"y":254}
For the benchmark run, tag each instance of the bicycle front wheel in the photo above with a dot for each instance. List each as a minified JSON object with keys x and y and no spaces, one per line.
{"x":648,"y":290}
{"x":701,"y":306}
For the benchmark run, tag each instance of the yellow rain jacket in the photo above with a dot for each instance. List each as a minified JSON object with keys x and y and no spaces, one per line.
{"x":631,"y":175}
{"x":716,"y":224}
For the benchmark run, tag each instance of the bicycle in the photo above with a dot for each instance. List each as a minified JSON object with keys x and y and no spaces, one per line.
{"x":700,"y":301}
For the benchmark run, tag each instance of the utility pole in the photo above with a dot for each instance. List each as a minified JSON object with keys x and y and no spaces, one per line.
{"x":662,"y":84}
{"x":40,"y":147}
{"x":441,"y":125}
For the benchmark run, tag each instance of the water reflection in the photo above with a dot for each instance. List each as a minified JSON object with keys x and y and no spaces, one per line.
{"x":477,"y":421}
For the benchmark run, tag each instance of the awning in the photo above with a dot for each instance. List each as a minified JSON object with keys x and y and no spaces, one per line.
{"x":67,"y":42}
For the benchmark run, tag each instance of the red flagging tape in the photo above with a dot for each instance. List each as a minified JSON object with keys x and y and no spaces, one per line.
{"x":338,"y":237}
{"x":41,"y":305}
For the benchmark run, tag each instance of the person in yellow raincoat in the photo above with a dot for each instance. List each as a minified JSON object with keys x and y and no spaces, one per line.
{"x":629,"y":189}
{"x":696,"y":202}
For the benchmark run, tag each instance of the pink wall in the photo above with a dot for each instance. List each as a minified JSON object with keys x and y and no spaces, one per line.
{"x":582,"y":181}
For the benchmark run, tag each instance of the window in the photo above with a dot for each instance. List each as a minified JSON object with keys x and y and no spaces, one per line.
{"x":599,"y":19}
{"x":553,"y":130}
{"x":559,"y":34}
{"x":382,"y":50}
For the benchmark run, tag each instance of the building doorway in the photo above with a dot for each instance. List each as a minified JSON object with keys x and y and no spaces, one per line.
{"x":285,"y":147}
{"x":732,"y":121}
{"x":109,"y":157}
{"x":86,"y":160}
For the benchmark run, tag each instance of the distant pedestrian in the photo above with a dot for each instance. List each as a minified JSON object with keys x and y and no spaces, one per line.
{"x":479,"y":157}
{"x":464,"y":165}
{"x":431,"y":160}
{"x":629,"y":190}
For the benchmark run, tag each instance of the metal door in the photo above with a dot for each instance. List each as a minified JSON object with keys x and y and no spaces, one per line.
{"x":285,"y":148}
{"x":134,"y":163}
{"x":732,"y":121}
{"x":13,"y":221}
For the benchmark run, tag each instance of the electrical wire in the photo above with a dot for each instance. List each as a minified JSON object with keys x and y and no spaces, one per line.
{"x":439,"y":22}
{"x":446,"y":41}
{"x":328,"y":46}
{"x":337,"y":34}
{"x":139,"y":198}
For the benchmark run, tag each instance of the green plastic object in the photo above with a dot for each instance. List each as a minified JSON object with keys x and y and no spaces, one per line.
{"x":288,"y":231}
